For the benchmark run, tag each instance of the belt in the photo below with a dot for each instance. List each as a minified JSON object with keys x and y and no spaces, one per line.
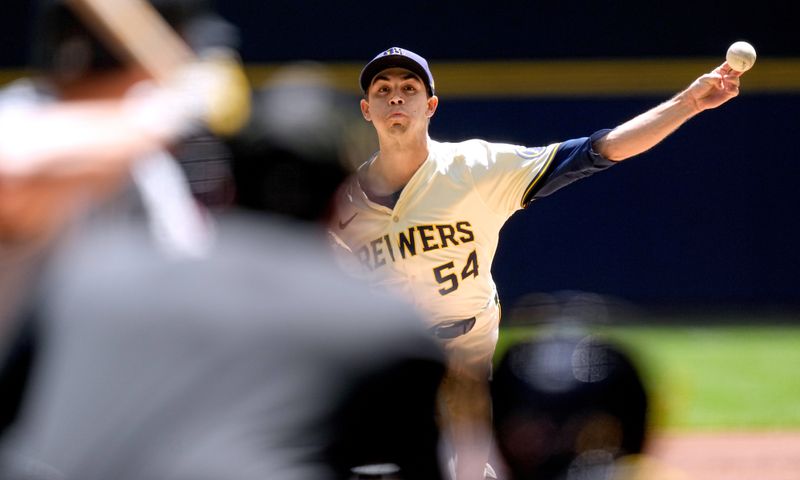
{"x":450,"y":330}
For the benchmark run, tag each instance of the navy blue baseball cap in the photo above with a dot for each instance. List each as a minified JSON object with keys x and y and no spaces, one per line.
{"x":400,"y":58}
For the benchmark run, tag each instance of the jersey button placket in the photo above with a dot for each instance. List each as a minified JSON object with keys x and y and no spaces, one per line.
{"x":402,"y":266}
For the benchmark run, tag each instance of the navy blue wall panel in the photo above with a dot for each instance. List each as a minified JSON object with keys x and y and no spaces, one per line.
{"x":708,"y":216}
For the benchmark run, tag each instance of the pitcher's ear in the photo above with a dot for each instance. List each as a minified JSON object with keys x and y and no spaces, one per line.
{"x":365,"y":110}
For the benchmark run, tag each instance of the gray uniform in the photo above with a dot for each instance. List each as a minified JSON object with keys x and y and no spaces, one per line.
{"x":259,"y":361}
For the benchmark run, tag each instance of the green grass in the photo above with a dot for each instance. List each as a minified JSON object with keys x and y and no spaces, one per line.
{"x":714,"y":377}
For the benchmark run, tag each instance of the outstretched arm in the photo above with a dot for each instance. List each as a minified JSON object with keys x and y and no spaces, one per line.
{"x":651,"y":127}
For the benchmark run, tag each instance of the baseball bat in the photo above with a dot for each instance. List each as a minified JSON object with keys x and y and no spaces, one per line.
{"x":134,"y":30}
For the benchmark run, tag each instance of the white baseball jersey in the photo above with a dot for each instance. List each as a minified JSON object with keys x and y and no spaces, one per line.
{"x":436,"y":246}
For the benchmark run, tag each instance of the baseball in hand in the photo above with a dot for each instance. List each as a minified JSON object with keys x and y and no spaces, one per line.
{"x":741,"y":56}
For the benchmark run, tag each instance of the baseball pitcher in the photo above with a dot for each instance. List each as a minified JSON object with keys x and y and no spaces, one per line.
{"x":422,"y":217}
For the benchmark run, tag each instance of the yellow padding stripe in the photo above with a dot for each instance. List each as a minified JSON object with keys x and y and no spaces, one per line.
{"x":573,"y":78}
{"x":557,"y":78}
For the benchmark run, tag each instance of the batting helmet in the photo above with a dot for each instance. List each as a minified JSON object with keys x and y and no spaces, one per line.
{"x":63,"y":45}
{"x":567,"y":405}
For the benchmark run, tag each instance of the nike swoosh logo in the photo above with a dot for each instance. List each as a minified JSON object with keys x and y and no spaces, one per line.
{"x":343,"y":225}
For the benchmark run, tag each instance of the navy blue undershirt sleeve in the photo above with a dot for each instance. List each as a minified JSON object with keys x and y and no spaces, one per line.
{"x":574,"y":159}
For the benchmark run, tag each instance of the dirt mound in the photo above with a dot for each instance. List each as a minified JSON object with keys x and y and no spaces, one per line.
{"x":729,"y":455}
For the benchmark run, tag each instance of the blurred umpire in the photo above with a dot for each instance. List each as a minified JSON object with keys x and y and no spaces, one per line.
{"x":253,"y":358}
{"x":568,"y":407}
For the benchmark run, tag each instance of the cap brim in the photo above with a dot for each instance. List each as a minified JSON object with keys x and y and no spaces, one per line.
{"x":380,"y":64}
